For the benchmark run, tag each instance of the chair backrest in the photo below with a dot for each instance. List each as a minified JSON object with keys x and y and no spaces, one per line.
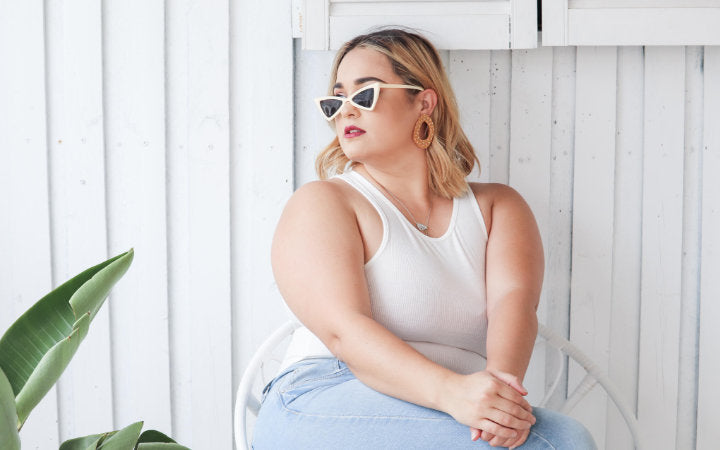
{"x":256,"y":377}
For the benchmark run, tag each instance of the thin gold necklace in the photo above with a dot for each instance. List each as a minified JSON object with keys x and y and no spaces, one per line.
{"x":420,"y":226}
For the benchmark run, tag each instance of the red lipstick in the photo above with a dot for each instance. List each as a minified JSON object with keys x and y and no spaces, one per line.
{"x":353,"y":131}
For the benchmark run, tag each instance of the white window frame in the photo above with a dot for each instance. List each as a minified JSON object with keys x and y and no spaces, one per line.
{"x":630,"y":22}
{"x":449,"y":24}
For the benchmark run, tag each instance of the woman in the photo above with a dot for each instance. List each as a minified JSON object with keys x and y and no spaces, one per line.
{"x":418,"y":289}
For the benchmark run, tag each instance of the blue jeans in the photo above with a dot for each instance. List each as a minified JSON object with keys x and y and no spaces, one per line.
{"x":319,"y":404}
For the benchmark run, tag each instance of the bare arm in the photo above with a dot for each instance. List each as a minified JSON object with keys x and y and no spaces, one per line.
{"x":317,"y":258}
{"x":514,"y":273}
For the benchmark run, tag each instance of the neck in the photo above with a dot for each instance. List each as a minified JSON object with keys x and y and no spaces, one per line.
{"x":409,"y":184}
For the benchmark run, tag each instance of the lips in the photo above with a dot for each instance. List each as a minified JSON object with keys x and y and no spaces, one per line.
{"x":353,"y":131}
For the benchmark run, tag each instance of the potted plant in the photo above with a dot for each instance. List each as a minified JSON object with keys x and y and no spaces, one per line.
{"x":37,"y":348}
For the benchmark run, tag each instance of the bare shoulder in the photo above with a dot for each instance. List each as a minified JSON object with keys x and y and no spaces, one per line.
{"x":322,"y":199}
{"x":497,"y":199}
{"x":317,"y":218}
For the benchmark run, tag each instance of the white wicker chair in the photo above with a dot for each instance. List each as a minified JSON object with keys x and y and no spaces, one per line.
{"x":258,"y":374}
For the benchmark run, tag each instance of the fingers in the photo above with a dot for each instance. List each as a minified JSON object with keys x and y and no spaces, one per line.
{"x":511,"y":394}
{"x":487,"y":437}
{"x":474,"y":434}
{"x":519,"y":441}
{"x":500,"y":442}
{"x":497,"y":441}
{"x":497,"y":429}
{"x":507,"y":420}
{"x":514,"y":410}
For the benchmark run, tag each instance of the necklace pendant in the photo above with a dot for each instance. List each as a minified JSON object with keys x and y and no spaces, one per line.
{"x":421,"y":227}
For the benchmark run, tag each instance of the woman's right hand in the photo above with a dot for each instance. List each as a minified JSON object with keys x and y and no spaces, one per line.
{"x":483,"y":401}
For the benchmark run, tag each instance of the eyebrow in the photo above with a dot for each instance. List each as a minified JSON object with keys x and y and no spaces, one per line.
{"x":359,"y":81}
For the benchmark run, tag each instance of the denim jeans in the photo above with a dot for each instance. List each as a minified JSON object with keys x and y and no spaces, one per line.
{"x":319,"y":404}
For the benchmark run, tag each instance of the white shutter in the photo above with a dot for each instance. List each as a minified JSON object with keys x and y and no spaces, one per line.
{"x":451,"y":25}
{"x":631,"y":22}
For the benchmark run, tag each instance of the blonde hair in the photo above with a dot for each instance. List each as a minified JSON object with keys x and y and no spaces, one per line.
{"x":416,"y":61}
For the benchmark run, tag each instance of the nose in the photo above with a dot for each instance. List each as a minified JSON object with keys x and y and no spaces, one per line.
{"x":348,"y":108}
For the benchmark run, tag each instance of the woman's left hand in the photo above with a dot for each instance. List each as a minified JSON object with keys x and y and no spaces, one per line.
{"x":497,"y":441}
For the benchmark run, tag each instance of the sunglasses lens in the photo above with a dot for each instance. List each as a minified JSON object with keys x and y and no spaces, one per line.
{"x":330,"y":106}
{"x":365,"y":98}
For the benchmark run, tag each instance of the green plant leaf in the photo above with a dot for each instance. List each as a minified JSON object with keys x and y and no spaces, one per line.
{"x":37,"y":348}
{"x":161,"y":446}
{"x":83,"y":443}
{"x":49,"y":369}
{"x":155,"y":440}
{"x":127,"y":438}
{"x":154,"y":436}
{"x":9,"y":438}
{"x":124,"y":439}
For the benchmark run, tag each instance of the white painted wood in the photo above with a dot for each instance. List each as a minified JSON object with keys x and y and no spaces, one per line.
{"x":661,"y":244}
{"x":708,"y":433}
{"x":261,"y":169}
{"x":469,"y":75}
{"x":446,"y":32}
{"x":692,"y":182}
{"x":314,"y":24}
{"x":133,"y":46}
{"x":455,"y":25}
{"x":425,"y":8}
{"x":199,"y":222}
{"x":559,"y":239}
{"x":77,"y":198}
{"x":592,"y":226}
{"x":530,"y":141}
{"x":627,"y":253}
{"x":312,"y":132}
{"x":631,"y":22}
{"x":296,"y":18}
{"x":25,"y":266}
{"x":636,"y":26}
{"x":524,"y":24}
{"x":646,"y":4}
{"x":499,"y":98}
{"x":554,"y":22}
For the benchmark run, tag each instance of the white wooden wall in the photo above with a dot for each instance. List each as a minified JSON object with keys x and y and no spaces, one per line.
{"x":170,"y":127}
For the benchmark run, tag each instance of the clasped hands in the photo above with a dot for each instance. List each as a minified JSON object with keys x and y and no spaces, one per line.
{"x":492,"y":404}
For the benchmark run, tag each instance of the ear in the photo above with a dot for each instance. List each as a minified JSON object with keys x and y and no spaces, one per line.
{"x":426,"y":100}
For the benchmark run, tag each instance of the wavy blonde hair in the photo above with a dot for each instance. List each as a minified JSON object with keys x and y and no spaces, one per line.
{"x":415,"y":60}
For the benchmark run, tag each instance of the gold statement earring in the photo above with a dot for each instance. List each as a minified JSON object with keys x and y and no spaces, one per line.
{"x":424,"y":143}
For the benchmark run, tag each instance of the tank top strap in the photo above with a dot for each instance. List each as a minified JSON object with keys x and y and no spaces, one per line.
{"x":363,"y":186}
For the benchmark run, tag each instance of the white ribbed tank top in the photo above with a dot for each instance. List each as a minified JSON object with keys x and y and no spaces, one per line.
{"x":428,"y":291}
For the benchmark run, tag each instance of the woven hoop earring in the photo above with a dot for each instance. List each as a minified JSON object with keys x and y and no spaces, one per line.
{"x":424,"y":143}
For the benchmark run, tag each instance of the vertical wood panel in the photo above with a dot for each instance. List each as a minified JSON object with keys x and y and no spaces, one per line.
{"x":530,"y":162}
{"x":687,"y":376}
{"x":708,"y":432}
{"x":469,"y":74}
{"x":592,"y":228}
{"x":25,"y":266}
{"x":558,"y":247}
{"x":661,"y":244}
{"x":135,"y":150}
{"x":77,"y":178}
{"x":627,"y":252}
{"x":500,"y":81}
{"x":312,"y":132}
{"x":198,"y":199}
{"x":262,"y":177}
